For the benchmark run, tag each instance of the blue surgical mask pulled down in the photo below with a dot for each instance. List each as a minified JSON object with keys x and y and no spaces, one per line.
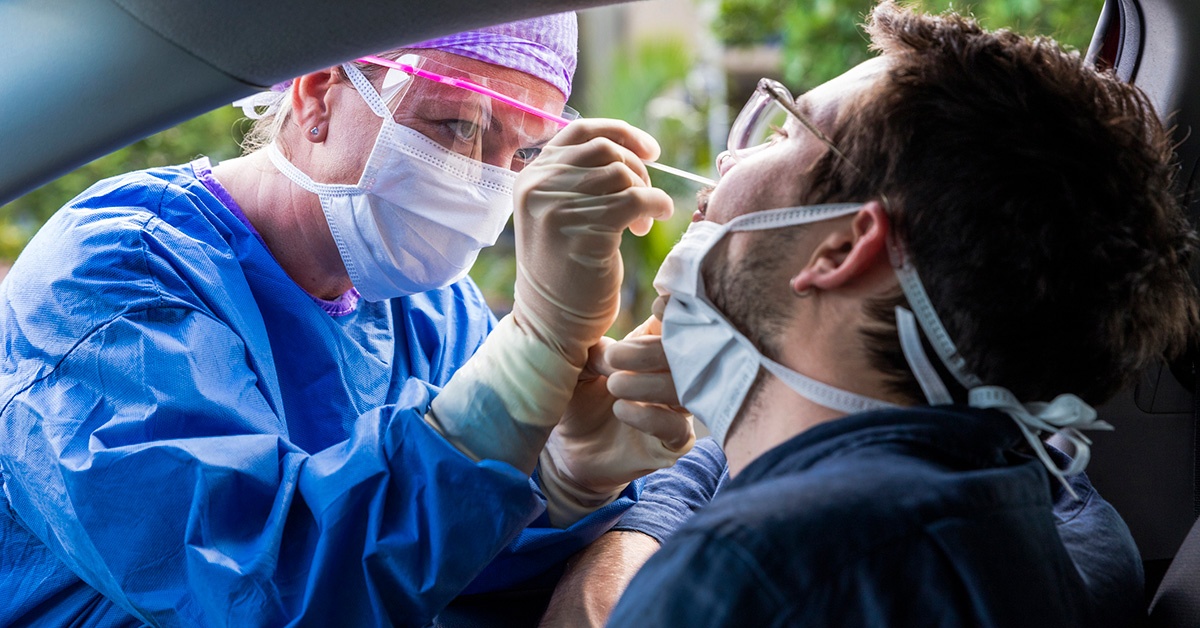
{"x":714,"y":366}
{"x":418,"y":216}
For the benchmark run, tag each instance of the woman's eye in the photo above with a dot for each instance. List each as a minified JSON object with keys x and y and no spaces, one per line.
{"x":463,"y":130}
{"x":527,"y":154}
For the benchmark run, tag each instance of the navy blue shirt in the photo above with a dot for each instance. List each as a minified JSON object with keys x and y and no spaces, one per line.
{"x":906,"y":517}
{"x":671,"y":495}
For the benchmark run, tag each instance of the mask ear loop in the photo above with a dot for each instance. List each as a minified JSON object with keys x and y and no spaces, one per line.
{"x":366,"y":90}
{"x":910,"y":344}
{"x":303,"y":180}
{"x":787,"y":216}
{"x":821,"y":393}
{"x":1066,"y":415}
{"x":928,"y":318}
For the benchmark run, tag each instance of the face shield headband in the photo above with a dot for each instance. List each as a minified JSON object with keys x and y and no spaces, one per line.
{"x":540,"y":116}
{"x":480,"y":117}
{"x":1065,"y":416}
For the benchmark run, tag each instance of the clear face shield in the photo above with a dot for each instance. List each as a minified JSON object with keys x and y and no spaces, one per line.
{"x":486,"y":119}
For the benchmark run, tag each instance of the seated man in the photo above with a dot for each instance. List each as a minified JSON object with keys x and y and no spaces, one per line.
{"x":1093,"y":533}
{"x":1014,"y":204}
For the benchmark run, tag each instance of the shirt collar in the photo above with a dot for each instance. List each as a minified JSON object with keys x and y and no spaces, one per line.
{"x":968,"y":436}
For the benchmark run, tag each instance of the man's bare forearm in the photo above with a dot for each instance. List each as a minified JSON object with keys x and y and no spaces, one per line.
{"x":595,"y":579}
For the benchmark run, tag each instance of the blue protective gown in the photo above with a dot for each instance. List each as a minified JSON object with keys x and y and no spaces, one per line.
{"x":189,"y":438}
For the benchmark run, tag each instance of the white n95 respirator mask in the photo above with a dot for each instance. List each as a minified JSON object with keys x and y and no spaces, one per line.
{"x":419,"y":215}
{"x":712,"y":364}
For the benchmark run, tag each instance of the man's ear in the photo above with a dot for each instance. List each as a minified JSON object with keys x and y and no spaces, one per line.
{"x":847,"y":253}
{"x":310,"y":105}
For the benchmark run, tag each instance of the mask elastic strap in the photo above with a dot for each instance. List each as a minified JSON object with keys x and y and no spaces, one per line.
{"x":790,"y":216}
{"x":910,"y":344}
{"x":367,"y":91}
{"x":910,"y":283}
{"x":1066,"y":415}
{"x":818,"y":392}
{"x":290,"y":171}
{"x":821,"y":393}
{"x":774,"y":219}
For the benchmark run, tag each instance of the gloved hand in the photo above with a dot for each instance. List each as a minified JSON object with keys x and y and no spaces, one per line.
{"x":585,"y":188}
{"x":623,"y":422}
{"x":572,"y":205}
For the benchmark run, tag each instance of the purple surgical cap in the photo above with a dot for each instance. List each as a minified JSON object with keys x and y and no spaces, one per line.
{"x":544,"y":47}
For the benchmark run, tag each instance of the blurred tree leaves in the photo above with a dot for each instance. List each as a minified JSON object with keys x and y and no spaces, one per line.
{"x":648,"y":88}
{"x":653,"y":84}
{"x":822,"y":38}
{"x":216,"y":134}
{"x":750,"y":22}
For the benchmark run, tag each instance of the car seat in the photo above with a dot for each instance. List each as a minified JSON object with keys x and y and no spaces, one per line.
{"x":1149,"y":468}
{"x":1177,"y":601}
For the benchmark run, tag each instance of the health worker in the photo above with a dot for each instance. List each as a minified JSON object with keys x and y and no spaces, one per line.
{"x":266,"y":392}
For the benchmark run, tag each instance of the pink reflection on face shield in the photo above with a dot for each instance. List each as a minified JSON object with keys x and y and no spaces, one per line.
{"x":508,"y":100}
{"x":467,"y":85}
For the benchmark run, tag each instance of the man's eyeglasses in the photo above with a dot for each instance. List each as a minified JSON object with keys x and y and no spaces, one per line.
{"x":764,"y":116}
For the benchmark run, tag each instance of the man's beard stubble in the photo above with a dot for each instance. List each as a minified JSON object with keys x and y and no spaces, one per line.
{"x":752,"y":293}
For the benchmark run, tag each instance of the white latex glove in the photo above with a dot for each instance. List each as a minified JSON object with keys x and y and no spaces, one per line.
{"x":623,"y":422}
{"x":588,"y":185}
{"x":572,"y":205}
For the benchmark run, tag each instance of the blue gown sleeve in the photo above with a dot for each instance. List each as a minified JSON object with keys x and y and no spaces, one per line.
{"x":150,"y":462}
{"x":537,"y":557}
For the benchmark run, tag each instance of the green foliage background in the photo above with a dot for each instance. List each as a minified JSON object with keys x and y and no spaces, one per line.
{"x":216,"y":134}
{"x":649,"y":87}
{"x":822,"y":38}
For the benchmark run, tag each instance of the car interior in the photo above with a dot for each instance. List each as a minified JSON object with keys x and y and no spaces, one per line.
{"x":96,"y":75}
{"x":1147,"y":468}
{"x":89,"y":76}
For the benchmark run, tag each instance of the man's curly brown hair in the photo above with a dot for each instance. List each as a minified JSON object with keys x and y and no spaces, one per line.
{"x":1034,"y":196}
